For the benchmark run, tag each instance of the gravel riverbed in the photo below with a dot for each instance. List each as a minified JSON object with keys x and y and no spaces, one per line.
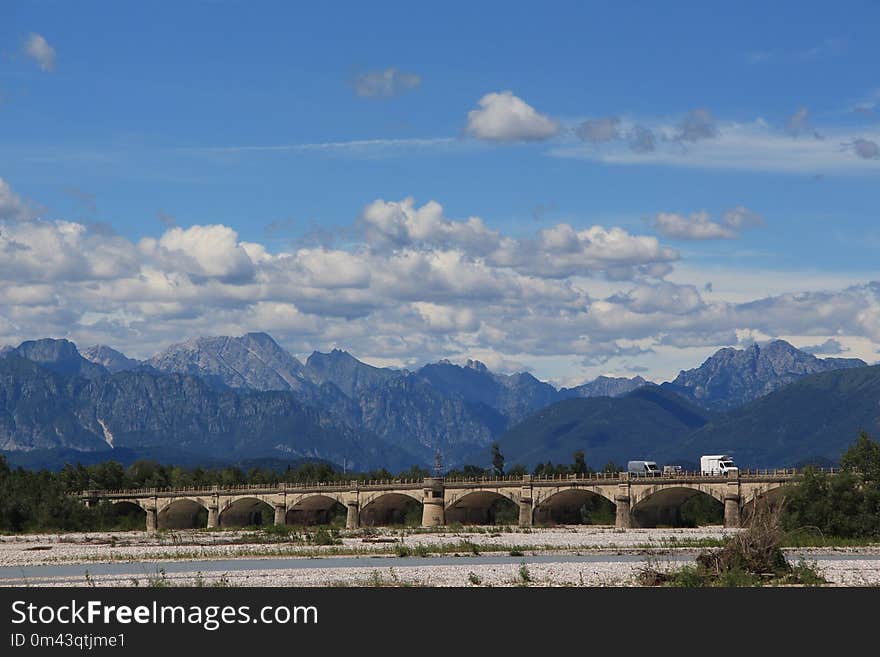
{"x":37,"y":549}
{"x":664,"y":548}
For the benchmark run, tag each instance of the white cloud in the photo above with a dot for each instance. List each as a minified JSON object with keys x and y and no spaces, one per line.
{"x":210,"y":251}
{"x":37,"y":48}
{"x":384,"y":84}
{"x":418,"y":285}
{"x":563,"y":251}
{"x":697,"y":226}
{"x":741,"y":217}
{"x":503,"y":117}
{"x":11,"y":204}
{"x":556,"y":252}
{"x":831,"y":347}
{"x":754,"y":146}
{"x":397,"y":224}
{"x":61,"y":251}
{"x":700,"y":226}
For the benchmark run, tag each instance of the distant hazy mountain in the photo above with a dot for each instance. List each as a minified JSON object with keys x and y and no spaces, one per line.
{"x":239,"y":397}
{"x":811,"y":420}
{"x":405,"y":409}
{"x":409,"y":412}
{"x":38,"y":409}
{"x":604,"y":386}
{"x":42,"y":410}
{"x":635,"y":426}
{"x":732,"y":377}
{"x":59,"y":356}
{"x":253,"y":361}
{"x":110,"y":359}
{"x":514,"y":396}
{"x":346,"y":372}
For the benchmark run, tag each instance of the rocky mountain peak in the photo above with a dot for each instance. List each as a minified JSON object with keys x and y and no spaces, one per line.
{"x":114,"y":361}
{"x":59,"y":355}
{"x":253,"y":361}
{"x":477,"y":366}
{"x":731,"y":377}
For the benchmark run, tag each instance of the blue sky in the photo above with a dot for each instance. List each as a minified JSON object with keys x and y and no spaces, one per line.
{"x":183,"y":169}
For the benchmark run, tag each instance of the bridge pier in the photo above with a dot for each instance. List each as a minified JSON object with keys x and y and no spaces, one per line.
{"x":213,"y":516}
{"x":732,"y":517}
{"x":526,"y":503}
{"x":352,"y":508}
{"x":152,"y":520}
{"x":623,"y":519}
{"x":433,"y":502}
{"x":280,"y":514}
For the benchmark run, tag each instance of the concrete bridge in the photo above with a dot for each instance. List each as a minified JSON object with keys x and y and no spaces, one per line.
{"x":638,"y":501}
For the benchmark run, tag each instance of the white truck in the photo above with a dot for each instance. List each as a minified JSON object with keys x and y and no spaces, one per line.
{"x":718,"y":464}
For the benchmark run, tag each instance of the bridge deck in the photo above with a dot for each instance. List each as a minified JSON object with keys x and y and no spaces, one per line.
{"x":692,"y":478}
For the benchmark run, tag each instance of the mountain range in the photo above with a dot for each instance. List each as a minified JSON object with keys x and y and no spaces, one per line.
{"x":228,"y":398}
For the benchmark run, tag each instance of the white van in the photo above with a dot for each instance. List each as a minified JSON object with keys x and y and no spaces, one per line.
{"x":643,"y":468}
{"x":718,"y":464}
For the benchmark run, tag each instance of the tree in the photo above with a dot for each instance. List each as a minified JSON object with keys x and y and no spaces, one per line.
{"x":497,"y":460}
{"x":863,"y":457}
{"x":580,"y":463}
{"x":846,"y":504}
{"x":612,"y":468}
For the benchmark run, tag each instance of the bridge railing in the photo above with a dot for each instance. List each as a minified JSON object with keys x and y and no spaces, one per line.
{"x":246,"y":488}
{"x":415,"y":483}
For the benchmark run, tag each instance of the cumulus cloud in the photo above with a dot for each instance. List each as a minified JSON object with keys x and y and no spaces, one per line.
{"x":696,"y":125}
{"x":37,"y":48}
{"x":400,"y":223}
{"x":662,"y":296}
{"x":409,"y":285}
{"x":597,"y":131}
{"x":203,"y":251}
{"x":61,"y":251}
{"x":503,"y":117}
{"x":700,"y":225}
{"x":385,"y":84}
{"x":563,"y":251}
{"x":556,"y":252}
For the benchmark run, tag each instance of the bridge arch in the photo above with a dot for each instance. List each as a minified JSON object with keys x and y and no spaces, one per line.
{"x":183,"y":513}
{"x":245,"y":512}
{"x":314,"y":509}
{"x":124,"y":515}
{"x":664,"y":505}
{"x":483,"y":507}
{"x":575,"y":506}
{"x":391,"y":508}
{"x":771,"y":495}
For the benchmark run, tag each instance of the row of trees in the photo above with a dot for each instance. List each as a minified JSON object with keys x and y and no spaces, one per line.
{"x":578,"y":466}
